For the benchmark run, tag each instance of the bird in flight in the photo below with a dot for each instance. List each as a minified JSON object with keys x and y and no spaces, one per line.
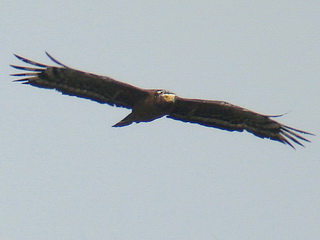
{"x":150,"y":104}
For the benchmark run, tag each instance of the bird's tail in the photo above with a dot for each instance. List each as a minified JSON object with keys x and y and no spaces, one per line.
{"x":125,"y":122}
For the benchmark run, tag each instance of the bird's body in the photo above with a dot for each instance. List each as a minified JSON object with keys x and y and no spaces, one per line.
{"x":150,"y":104}
{"x":156,"y":104}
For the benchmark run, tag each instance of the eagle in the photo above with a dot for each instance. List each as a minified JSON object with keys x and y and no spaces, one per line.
{"x":150,"y":104}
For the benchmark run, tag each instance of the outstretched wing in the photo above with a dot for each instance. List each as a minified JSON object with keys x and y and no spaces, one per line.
{"x":81,"y":84}
{"x":223,"y":115}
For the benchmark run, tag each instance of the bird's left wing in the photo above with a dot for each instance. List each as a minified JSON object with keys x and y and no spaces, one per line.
{"x":77,"y":83}
{"x":223,"y":115}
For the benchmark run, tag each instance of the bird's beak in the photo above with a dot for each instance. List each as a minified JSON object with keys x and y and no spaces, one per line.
{"x":169,"y":97}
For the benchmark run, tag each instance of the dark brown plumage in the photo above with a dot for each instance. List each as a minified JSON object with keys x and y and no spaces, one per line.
{"x":148,"y":105}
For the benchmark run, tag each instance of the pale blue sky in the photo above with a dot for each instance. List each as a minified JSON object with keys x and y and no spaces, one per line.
{"x":65,"y":173}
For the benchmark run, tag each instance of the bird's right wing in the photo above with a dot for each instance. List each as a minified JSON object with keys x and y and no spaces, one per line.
{"x":81,"y":84}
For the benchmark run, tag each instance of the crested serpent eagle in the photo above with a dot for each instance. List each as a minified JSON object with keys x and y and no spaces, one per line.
{"x":150,"y":104}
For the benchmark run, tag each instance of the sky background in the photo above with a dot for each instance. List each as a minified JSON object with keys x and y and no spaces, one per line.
{"x":65,"y":173}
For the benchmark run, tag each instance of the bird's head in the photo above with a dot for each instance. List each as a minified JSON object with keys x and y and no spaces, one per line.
{"x":164,"y":97}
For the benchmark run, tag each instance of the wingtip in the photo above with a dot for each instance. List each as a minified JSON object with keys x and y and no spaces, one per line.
{"x":28,"y":61}
{"x":48,"y":54}
{"x":55,"y":60}
{"x":18,"y":56}
{"x":291,"y":135}
{"x":23,"y":80}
